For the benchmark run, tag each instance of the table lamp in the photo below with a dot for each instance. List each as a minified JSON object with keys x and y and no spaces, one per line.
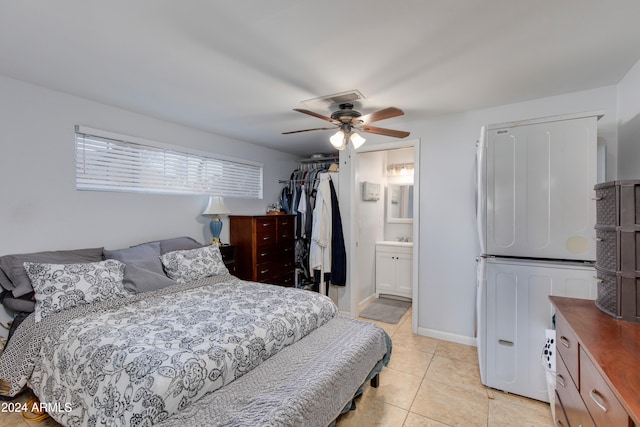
{"x":215,"y":207}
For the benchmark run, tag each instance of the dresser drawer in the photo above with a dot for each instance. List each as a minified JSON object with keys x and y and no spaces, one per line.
{"x":264,"y":224}
{"x":604,"y":407}
{"x":607,"y":249}
{"x":567,"y":346}
{"x":266,"y":238}
{"x":574,"y":408}
{"x":561,"y":416}
{"x":606,"y":201}
{"x":266,"y":272}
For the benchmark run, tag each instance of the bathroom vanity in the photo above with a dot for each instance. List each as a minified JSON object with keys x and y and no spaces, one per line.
{"x":394,"y":269}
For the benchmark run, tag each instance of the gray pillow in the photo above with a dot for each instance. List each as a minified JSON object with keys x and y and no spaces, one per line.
{"x":178,"y":244}
{"x":24,"y":303}
{"x":175,"y":244}
{"x":145,"y":256}
{"x":137,"y":279}
{"x":15,"y":277}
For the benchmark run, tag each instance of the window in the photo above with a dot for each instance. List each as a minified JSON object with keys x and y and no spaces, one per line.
{"x":110,"y":162}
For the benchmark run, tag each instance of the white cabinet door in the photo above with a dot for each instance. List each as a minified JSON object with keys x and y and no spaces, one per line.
{"x":404,"y":274}
{"x":394,"y":270}
{"x":385,"y":272}
{"x":539,"y":189}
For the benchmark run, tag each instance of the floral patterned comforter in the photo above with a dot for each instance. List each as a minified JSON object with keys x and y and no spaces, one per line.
{"x":138,"y":361}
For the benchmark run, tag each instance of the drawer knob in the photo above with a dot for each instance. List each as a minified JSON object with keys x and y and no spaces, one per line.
{"x":597,"y":398}
{"x":597,"y":198}
{"x":598,"y":280}
{"x":565,"y":341}
{"x":560,"y":380}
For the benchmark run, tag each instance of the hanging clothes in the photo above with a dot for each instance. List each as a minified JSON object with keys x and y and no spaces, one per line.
{"x":300,"y":199}
{"x":338,"y":252}
{"x":320,"y":250}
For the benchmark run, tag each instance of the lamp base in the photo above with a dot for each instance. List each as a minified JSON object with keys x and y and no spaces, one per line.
{"x":216,"y":228}
{"x":216,"y":241}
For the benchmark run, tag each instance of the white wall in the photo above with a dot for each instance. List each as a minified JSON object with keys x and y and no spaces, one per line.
{"x":629,"y":125}
{"x":41,"y":209}
{"x":371,"y":167}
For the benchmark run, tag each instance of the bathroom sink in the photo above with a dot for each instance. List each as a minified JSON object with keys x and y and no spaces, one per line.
{"x":394,"y":243}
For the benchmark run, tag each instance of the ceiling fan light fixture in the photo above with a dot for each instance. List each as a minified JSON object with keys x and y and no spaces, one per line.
{"x":356,"y":140}
{"x":337,"y":140}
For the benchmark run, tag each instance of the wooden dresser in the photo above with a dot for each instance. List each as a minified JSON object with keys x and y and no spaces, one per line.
{"x":598,"y":374}
{"x":265,"y":248}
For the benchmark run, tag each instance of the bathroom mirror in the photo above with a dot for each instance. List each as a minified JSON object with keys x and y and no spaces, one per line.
{"x":400,"y":203}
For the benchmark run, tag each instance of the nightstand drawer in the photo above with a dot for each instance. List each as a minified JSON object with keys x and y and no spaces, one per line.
{"x":603,"y":405}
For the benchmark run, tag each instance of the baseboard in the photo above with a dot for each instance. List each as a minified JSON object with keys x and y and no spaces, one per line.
{"x":365,"y":303}
{"x":446,"y":336}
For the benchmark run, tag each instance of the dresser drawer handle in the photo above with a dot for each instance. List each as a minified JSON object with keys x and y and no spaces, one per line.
{"x":266,"y":238}
{"x":598,"y":280}
{"x":600,"y":239}
{"x":597,"y":198}
{"x":264,"y":271}
{"x":597,"y":397}
{"x":505,"y":342}
{"x":565,"y":341}
{"x":266,"y":224}
{"x":559,"y":423}
{"x":560,"y":380}
{"x":264,"y":254}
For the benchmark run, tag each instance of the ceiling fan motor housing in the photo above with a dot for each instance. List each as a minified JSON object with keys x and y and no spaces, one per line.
{"x":346,"y":113}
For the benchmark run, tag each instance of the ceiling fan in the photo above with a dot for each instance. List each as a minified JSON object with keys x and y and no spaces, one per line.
{"x":349,"y":120}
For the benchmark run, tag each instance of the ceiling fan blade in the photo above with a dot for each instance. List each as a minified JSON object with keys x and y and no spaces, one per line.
{"x":320,"y":116}
{"x":386,"y":113}
{"x":383,"y":131}
{"x":305,"y":130}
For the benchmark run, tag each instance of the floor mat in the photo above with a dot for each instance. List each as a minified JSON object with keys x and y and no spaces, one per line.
{"x":386,"y":310}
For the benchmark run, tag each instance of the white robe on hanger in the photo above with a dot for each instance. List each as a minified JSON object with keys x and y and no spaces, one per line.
{"x":320,"y":248}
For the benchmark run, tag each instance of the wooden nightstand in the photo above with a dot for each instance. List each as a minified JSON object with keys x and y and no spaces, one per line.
{"x":228,"y":253}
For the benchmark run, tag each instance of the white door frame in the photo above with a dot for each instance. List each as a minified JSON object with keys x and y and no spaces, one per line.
{"x":353,"y":244}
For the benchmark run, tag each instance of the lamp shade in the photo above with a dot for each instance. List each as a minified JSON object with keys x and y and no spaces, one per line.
{"x":357,"y":140}
{"x":216,"y":206}
{"x":337,"y":140}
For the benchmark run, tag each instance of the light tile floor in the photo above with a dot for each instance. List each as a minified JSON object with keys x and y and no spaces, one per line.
{"x":431,"y":383}
{"x":428,"y":383}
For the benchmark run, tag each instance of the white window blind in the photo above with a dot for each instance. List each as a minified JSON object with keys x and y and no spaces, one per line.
{"x":110,"y":162}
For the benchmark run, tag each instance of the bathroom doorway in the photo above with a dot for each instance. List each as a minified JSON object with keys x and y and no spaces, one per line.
{"x":386,"y":204}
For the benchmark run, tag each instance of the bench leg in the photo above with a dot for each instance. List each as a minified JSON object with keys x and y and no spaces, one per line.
{"x":375,"y":381}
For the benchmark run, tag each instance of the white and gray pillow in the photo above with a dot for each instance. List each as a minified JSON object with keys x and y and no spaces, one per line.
{"x":61,"y":287}
{"x":194,"y":264}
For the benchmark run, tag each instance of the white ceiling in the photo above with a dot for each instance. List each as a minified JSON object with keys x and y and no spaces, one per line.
{"x":238,"y":68}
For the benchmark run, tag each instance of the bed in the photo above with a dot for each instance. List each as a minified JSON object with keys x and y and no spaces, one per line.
{"x":121,"y":341}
